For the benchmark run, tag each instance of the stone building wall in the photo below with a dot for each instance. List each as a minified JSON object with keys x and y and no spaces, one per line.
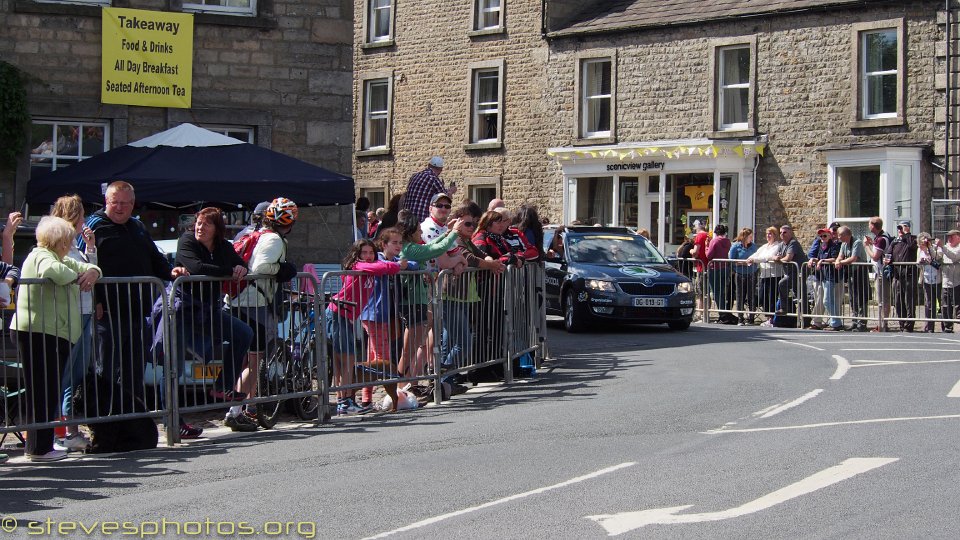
{"x":431,"y":100}
{"x":803,"y":95}
{"x":286,"y":72}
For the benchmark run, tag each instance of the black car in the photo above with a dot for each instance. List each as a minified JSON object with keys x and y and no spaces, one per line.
{"x":610,"y":274}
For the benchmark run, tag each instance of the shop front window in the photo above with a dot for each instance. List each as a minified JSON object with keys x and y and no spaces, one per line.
{"x":593,"y":201}
{"x":693,"y":196}
{"x":629,"y":203}
{"x":857,"y":196}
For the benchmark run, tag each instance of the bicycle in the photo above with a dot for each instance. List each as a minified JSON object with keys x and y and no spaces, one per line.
{"x":292,"y":366}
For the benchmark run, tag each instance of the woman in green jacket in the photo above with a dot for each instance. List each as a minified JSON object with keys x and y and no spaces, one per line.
{"x":414,"y":306}
{"x":47,"y":323}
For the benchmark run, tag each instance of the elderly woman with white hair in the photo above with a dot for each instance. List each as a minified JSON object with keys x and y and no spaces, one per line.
{"x":47,"y":322}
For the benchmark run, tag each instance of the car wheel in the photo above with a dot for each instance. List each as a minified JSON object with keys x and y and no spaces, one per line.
{"x":573,"y":320}
{"x":679,"y":325}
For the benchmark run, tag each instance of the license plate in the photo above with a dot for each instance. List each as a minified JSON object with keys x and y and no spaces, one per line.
{"x":203,"y":372}
{"x":648,"y":302}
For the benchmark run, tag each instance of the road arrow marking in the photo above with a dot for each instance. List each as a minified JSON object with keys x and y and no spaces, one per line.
{"x":617,"y":524}
{"x":955,"y":391}
{"x":517,"y":496}
{"x":842,"y":368}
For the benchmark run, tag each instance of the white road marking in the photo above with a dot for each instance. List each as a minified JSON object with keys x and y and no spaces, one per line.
{"x":842,"y":368}
{"x":872,"y":363}
{"x":437,"y":519}
{"x":844,"y":342}
{"x":617,"y":524}
{"x":905,"y":350}
{"x":955,"y":391}
{"x":722,"y":431}
{"x":800,"y":344}
{"x":767,"y":413}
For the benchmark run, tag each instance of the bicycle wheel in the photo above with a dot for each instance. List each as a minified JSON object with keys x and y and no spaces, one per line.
{"x":304,"y":379}
{"x":272,"y":381}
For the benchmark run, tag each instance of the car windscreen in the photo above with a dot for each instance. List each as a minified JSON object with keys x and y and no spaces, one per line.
{"x":611,"y":249}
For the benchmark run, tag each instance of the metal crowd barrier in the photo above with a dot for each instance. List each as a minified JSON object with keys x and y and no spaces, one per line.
{"x":161,"y":351}
{"x":100,"y":377}
{"x":858,"y":295}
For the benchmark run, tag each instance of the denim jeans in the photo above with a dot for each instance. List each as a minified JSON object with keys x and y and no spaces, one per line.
{"x":833,"y":301}
{"x":457,"y":338}
{"x":74,"y":373}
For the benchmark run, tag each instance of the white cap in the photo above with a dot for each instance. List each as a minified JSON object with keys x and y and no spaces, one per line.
{"x":436,"y":161}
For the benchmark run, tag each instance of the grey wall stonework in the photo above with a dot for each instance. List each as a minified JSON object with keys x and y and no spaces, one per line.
{"x":431,"y":100}
{"x":804,"y":92}
{"x":287,"y":72}
{"x":803,"y":95}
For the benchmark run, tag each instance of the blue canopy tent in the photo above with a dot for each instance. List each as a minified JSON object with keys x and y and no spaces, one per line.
{"x":187,"y":165}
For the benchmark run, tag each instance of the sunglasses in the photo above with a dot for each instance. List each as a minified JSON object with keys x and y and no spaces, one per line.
{"x":469,"y":223}
{"x":446,"y":206}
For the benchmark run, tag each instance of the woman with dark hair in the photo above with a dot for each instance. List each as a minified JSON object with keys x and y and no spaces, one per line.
{"x":530,"y":227}
{"x":204,"y":325}
{"x":363,"y":223}
{"x":391,"y":216}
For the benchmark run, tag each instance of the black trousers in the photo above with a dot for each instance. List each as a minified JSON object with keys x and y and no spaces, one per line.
{"x":949,"y":302}
{"x":43,"y":357}
{"x":905,"y":296}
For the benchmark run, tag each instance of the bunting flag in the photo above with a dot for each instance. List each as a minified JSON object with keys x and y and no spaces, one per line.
{"x":738,"y":150}
{"x":708,"y":150}
{"x":760,"y":148}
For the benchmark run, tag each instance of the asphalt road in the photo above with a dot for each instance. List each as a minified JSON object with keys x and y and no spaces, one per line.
{"x":736,"y":432}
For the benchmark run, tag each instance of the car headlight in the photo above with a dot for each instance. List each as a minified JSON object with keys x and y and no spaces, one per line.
{"x":683,"y":287}
{"x":600,"y":285}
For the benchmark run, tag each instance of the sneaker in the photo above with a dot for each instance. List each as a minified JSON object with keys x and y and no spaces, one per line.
{"x":767,"y":324}
{"x":189,"y":431}
{"x":53,"y":455}
{"x":240,"y":422}
{"x":73,"y":443}
{"x":348,"y":407}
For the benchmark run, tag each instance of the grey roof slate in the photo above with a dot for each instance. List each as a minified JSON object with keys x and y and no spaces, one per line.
{"x":618,"y":15}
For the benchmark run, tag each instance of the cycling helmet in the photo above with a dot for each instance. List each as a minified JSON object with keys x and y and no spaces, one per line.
{"x":282,"y":211}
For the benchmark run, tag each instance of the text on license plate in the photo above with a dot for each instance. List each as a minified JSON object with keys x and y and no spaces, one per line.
{"x":201,"y":371}
{"x":648,"y":302}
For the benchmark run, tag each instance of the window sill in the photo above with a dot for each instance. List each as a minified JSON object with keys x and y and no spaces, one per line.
{"x":877,"y":123}
{"x":492,"y":145}
{"x":487,"y":32}
{"x":732,"y":133}
{"x":592,"y":141}
{"x":372,"y":152}
{"x":224,"y":19}
{"x":50,"y":8}
{"x":378,"y":45}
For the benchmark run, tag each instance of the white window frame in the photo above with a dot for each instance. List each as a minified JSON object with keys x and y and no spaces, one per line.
{"x":229,"y":131}
{"x":55,"y":158}
{"x":363,"y":116}
{"x":367,"y":191}
{"x":373,"y":10}
{"x":581,"y":105}
{"x":888,"y":159}
{"x":201,"y":7}
{"x":481,"y":8}
{"x":370,"y":115}
{"x":483,"y":108}
{"x":867,"y":76}
{"x":859,"y":112}
{"x":475,"y":109}
{"x":722,"y":88}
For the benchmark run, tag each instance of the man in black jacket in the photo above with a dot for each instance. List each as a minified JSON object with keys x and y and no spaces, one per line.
{"x":125,"y":249}
{"x":903,"y":253}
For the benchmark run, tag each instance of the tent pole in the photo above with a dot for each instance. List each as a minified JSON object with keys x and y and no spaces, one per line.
{"x":356,"y":231}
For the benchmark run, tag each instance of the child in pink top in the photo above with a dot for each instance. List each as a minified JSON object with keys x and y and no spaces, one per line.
{"x":341,"y":316}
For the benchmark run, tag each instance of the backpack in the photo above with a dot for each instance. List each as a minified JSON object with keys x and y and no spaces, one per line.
{"x":244,"y":248}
